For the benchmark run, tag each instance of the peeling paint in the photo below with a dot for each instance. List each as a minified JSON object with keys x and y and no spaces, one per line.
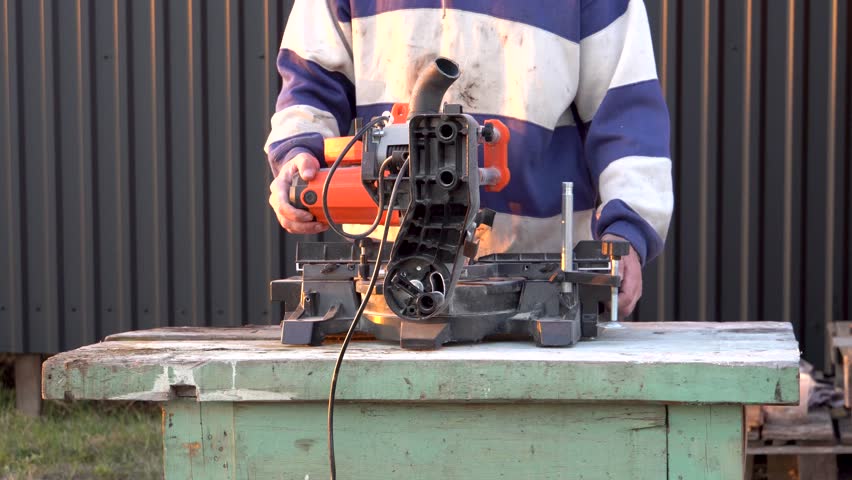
{"x":192,"y":448}
{"x":245,"y":394}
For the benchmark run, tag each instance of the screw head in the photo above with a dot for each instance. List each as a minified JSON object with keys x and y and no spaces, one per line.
{"x":310,"y":197}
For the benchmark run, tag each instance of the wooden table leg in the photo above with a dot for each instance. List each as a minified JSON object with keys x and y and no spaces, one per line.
{"x":705,"y":438}
{"x":28,"y":384}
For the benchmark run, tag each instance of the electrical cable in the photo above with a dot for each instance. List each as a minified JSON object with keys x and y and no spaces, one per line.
{"x":348,"y":338}
{"x":331,"y":223}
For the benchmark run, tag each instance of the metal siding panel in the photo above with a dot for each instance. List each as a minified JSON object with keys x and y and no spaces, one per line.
{"x":188,"y":172}
{"x":236,"y":313}
{"x":776,"y":160}
{"x":149,"y":217}
{"x":846,"y":220}
{"x":39,"y":178}
{"x":649,"y":309}
{"x":818,"y":174}
{"x":136,"y":191}
{"x":113,"y":169}
{"x":794,"y":210}
{"x":735,"y":161}
{"x":658,"y":279}
{"x":696,"y":161}
{"x":225,"y":175}
{"x":73,"y":161}
{"x":751,"y":244}
{"x":711,"y":136}
{"x":262,"y":233}
{"x":287,"y":242}
{"x":13,"y":314}
{"x":666,"y":281}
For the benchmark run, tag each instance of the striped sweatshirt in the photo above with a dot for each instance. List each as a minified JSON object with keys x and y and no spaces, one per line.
{"x":574,"y":80}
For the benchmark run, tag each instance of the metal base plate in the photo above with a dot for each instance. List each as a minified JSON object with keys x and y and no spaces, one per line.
{"x":480,"y":309}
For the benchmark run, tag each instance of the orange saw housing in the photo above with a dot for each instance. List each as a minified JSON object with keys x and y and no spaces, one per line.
{"x":348,"y":200}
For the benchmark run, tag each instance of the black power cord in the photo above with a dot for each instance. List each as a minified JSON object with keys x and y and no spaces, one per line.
{"x":331,"y":223}
{"x":348,"y":338}
{"x":373,"y":278}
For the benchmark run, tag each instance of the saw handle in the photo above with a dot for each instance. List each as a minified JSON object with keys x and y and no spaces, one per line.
{"x":348,"y":200}
{"x":497,"y":155}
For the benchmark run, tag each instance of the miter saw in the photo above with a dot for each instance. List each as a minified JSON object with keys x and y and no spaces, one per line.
{"x":432,"y":289}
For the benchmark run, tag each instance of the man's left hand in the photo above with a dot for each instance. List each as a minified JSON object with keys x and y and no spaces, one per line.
{"x":630,"y":269}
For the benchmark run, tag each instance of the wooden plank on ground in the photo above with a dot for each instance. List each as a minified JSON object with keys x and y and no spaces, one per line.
{"x":799,"y":449}
{"x":782,"y":467}
{"x":28,"y":384}
{"x":844,"y":426}
{"x":822,"y":467}
{"x":753,"y":421}
{"x":833,"y":361}
{"x":816,"y":427}
{"x":846,"y":371}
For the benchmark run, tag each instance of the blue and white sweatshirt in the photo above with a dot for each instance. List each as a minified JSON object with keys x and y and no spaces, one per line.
{"x":574,"y":80}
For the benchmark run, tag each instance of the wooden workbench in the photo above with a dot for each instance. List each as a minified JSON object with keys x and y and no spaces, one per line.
{"x":649,"y":401}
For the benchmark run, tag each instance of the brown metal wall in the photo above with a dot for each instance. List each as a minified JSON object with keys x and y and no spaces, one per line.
{"x":133,"y":187}
{"x":759,"y":93}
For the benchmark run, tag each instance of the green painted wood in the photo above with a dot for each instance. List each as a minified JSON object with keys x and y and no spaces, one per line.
{"x":199,"y":440}
{"x":602,"y":409}
{"x":218,"y":445}
{"x":182,"y":439}
{"x":443,"y":441}
{"x":705,"y":442}
{"x":740,"y":363}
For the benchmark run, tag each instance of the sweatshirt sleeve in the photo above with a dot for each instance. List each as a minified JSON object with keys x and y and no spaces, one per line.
{"x":317,"y":98}
{"x":625,"y":124}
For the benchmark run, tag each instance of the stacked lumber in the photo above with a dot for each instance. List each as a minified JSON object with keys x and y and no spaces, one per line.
{"x":801,"y":443}
{"x":840,"y":354}
{"x":799,"y":447}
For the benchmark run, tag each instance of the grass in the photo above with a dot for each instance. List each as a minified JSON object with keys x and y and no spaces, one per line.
{"x":80,"y":440}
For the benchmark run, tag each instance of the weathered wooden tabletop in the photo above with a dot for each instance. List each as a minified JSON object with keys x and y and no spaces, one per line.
{"x":683,"y":362}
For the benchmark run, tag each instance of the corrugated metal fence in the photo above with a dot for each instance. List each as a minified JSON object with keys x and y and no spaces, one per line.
{"x":133,"y":187}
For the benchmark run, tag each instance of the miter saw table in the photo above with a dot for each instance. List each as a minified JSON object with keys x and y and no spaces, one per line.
{"x":648,"y":401}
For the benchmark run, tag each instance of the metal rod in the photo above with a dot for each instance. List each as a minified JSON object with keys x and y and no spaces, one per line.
{"x":614,"y":307}
{"x":567,"y":231}
{"x":488,"y":176}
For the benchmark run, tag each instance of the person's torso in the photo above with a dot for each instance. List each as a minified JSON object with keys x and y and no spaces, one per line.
{"x":519,"y":63}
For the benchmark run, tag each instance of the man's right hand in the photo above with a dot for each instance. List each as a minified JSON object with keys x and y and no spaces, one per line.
{"x":291,"y":218}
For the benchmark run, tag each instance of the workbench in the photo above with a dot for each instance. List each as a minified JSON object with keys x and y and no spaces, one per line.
{"x":648,"y":401}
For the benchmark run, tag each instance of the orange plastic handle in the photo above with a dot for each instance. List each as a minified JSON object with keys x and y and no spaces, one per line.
{"x":333,"y":147}
{"x":399,"y":111}
{"x":348,"y":200}
{"x":497,"y":156}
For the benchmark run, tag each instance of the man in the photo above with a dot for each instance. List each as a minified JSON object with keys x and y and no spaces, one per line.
{"x":574,"y":80}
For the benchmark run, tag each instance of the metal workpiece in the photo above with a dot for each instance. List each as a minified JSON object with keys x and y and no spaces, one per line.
{"x":567,"y":263}
{"x":488,"y":176}
{"x":614,"y":291}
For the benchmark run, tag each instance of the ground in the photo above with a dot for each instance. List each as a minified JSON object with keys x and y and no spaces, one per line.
{"x":79,"y":440}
